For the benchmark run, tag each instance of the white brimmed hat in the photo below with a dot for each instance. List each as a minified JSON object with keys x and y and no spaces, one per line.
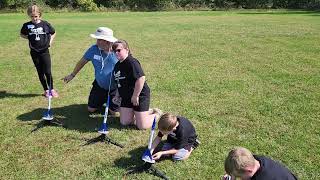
{"x":104,"y":33}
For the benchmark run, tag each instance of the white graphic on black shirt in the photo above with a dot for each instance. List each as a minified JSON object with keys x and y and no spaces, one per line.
{"x":117,"y":78}
{"x":37,"y":32}
{"x":172,"y":135}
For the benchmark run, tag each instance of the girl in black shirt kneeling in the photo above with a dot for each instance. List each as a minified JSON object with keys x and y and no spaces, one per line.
{"x":132,"y":89}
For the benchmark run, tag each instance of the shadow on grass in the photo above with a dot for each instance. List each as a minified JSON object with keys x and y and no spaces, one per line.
{"x":73,"y":117}
{"x":5,"y":94}
{"x":135,"y":157}
{"x":311,"y":13}
{"x":133,"y":160}
{"x":135,"y":165}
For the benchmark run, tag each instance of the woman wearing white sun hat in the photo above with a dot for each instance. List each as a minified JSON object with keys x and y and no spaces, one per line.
{"x":103,"y":60}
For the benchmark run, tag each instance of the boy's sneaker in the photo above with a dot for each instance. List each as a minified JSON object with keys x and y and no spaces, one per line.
{"x":54,"y":93}
{"x":196,"y":144}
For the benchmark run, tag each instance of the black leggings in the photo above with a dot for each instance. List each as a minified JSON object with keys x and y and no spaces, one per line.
{"x":42,"y":61}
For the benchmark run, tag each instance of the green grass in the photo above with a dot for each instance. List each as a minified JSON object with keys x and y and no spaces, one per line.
{"x":244,"y":78}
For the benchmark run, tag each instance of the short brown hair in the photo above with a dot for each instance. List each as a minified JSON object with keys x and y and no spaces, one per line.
{"x":237,"y":160}
{"x":124,"y":44}
{"x":167,"y":122}
{"x":33,"y":9}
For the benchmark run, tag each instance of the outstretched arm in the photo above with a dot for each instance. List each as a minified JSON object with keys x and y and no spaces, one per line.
{"x":75,"y":71}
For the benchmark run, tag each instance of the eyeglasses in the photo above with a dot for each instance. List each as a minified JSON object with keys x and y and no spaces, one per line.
{"x":117,"y":50}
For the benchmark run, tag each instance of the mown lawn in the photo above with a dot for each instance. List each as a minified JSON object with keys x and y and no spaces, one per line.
{"x":244,"y":78}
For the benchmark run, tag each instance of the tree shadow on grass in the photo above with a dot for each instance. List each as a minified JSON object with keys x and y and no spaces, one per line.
{"x":5,"y":94}
{"x":73,"y":117}
{"x":289,"y":12}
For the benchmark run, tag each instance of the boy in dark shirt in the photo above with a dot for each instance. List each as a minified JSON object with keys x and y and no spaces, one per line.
{"x":181,"y":137}
{"x":243,"y":164}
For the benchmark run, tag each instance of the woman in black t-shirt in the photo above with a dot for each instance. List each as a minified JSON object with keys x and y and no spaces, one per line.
{"x":132,"y":89}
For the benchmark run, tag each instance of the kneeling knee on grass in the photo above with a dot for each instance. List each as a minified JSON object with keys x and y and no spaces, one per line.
{"x":143,"y":120}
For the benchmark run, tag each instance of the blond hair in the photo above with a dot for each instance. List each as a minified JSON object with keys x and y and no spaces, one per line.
{"x":33,"y":9}
{"x":237,"y":160}
{"x":167,"y":122}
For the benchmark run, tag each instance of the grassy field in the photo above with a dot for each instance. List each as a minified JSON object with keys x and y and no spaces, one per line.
{"x":244,"y":78}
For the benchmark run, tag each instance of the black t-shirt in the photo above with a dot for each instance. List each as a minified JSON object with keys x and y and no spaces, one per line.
{"x":125,"y":75}
{"x":271,"y":170}
{"x":38,"y":34}
{"x":184,"y":136}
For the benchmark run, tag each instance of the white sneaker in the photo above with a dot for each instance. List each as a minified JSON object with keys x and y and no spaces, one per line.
{"x":54,"y":93}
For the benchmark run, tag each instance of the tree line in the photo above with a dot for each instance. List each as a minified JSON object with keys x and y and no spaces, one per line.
{"x":158,"y":5}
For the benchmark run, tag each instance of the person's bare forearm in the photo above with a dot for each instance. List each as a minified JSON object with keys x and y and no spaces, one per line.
{"x":52,"y":38}
{"x":79,"y":66}
{"x":76,"y":69}
{"x":168,"y":152}
{"x":24,"y":36}
{"x":138,"y":86}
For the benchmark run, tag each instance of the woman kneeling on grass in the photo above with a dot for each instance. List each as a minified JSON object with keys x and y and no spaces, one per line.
{"x":132,"y":89}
